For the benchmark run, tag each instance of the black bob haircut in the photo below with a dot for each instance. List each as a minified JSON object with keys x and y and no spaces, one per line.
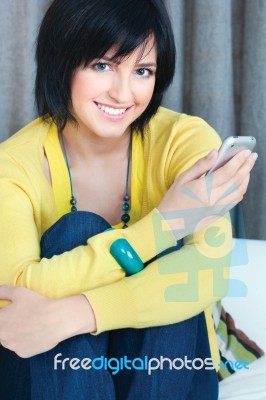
{"x":73,"y":33}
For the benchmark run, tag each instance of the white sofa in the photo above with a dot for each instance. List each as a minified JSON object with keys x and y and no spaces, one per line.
{"x":249,"y":267}
{"x":249,"y":312}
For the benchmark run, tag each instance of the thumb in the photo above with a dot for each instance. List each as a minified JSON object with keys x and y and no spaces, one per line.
{"x":6,"y":292}
{"x":200,"y":167}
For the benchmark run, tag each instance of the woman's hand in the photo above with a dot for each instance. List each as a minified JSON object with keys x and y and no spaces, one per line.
{"x":32,"y":324}
{"x":195,"y":200}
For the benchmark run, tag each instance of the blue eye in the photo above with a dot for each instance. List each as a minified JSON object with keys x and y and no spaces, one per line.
{"x":145,"y":72}
{"x":101,"y":66}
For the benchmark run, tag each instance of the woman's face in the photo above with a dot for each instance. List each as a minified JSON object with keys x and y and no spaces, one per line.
{"x":108,"y":96}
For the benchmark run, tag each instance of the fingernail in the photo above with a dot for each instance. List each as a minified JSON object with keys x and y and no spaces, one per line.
{"x":210,"y":155}
{"x":254,"y":156}
{"x":246,"y":153}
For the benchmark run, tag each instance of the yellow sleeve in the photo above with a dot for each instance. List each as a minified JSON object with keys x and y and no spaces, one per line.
{"x":83,"y":268}
{"x":170,"y":289}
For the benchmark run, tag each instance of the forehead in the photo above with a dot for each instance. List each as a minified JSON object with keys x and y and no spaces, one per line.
{"x":145,"y":51}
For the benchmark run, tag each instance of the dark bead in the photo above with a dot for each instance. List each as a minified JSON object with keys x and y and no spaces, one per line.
{"x":125,"y":218}
{"x":126,"y":207}
{"x":73,"y":201}
{"x":126,"y":197}
{"x":73,"y":209}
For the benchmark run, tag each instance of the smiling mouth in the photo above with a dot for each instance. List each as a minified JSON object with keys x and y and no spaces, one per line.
{"x":111,"y":110}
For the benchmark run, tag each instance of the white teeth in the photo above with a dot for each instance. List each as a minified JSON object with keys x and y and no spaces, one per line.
{"x":111,"y":111}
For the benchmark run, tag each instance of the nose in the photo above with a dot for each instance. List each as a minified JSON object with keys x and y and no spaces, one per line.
{"x":120,"y":89}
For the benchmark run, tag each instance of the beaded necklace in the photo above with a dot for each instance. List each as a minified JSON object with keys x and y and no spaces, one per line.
{"x":125,"y":218}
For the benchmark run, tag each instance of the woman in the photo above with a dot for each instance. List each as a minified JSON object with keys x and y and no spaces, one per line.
{"x":102,"y":144}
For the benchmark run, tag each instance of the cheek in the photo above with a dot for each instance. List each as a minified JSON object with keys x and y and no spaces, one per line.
{"x":81,"y":91}
{"x":145,"y":93}
{"x":84,"y":87}
{"x":77,"y":91}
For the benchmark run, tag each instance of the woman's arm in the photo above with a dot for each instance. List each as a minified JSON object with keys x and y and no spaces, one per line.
{"x":32,"y":324}
{"x":92,"y":266}
{"x":85,"y":267}
{"x":171,"y":289}
{"x":131,"y":298}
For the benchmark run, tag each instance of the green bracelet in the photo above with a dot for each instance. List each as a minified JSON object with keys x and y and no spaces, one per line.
{"x":126,"y":256}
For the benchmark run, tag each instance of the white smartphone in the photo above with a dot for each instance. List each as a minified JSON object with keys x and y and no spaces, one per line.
{"x":230,"y":147}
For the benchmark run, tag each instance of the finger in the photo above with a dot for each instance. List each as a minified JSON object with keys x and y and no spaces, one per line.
{"x":243,"y":187}
{"x":7,"y":292}
{"x":200,"y":168}
{"x":247,"y":166}
{"x":245,"y":170}
{"x":241,"y":176}
{"x":231,"y":194}
{"x":230,"y":169}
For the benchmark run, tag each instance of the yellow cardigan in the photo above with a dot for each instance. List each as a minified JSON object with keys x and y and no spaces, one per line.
{"x":29,"y":206}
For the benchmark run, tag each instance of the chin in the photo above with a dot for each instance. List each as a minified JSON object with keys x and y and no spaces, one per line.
{"x":111,"y":133}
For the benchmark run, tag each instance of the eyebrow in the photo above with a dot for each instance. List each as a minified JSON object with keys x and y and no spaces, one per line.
{"x":141,"y":65}
{"x":147,"y":65}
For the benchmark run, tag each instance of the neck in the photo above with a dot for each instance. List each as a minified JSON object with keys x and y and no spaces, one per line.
{"x":81,"y":145}
{"x":73,"y":201}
